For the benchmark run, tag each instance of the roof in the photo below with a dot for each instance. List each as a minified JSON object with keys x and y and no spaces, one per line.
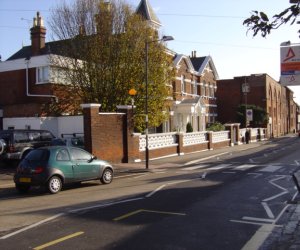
{"x":197,"y":62}
{"x":146,"y":11}
{"x":50,"y":48}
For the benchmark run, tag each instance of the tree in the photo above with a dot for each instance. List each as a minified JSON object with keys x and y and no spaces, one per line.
{"x":260,"y":116}
{"x":260,"y":22}
{"x":102,"y":57}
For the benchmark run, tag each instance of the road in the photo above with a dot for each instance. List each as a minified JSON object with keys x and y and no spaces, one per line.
{"x":232,"y":200}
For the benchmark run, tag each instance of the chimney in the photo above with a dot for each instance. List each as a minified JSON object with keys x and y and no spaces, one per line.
{"x":38,"y":35}
{"x":194,"y":54}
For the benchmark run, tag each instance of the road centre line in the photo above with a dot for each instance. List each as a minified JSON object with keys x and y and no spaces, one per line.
{"x":105,"y":205}
{"x":51,"y":243}
{"x":203,"y":159}
{"x":32,"y":226}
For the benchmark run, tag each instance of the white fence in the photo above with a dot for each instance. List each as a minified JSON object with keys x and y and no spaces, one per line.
{"x":220,"y":136}
{"x":194,"y":138}
{"x":157,"y":141}
{"x":57,"y":125}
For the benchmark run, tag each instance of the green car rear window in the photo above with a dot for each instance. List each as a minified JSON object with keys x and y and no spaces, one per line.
{"x":38,"y":155}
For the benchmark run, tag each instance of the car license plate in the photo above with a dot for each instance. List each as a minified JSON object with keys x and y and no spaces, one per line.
{"x":23,"y":179}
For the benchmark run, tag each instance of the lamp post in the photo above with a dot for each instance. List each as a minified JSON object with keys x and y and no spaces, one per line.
{"x":245,"y":90}
{"x":164,"y":39}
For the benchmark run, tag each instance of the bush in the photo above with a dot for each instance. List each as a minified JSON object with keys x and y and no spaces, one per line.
{"x":217,"y":126}
{"x":189,"y":128}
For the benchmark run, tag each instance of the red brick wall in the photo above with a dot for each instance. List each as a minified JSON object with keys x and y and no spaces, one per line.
{"x":105,"y":134}
{"x":13,"y":96}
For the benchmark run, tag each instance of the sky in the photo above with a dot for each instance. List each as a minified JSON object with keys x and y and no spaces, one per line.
{"x":212,"y":28}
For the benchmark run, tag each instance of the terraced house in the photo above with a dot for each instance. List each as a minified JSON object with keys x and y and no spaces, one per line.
{"x":27,"y":76}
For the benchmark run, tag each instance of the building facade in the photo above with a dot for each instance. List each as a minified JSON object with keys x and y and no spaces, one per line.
{"x":263,"y":91}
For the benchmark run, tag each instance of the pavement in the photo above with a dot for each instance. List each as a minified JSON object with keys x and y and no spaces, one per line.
{"x":286,"y":237}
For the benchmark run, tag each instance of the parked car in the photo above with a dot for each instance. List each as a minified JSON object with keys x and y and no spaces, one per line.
{"x":16,"y":143}
{"x":55,"y":166}
{"x":75,"y":141}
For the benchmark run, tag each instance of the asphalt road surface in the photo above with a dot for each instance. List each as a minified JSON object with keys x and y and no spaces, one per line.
{"x":231,"y":200}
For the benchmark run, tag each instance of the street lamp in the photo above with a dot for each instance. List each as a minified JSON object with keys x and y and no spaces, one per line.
{"x":246,"y":90}
{"x":164,"y":39}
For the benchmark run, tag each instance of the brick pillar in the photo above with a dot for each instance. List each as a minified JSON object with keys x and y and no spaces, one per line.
{"x":210,"y":142}
{"x":90,"y":111}
{"x":238,"y":137}
{"x":230,"y":127}
{"x":180,"y":150}
{"x":132,"y":152}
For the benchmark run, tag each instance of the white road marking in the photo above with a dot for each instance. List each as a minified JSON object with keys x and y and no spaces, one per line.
{"x":245,"y":167}
{"x":270,"y":168}
{"x":221,"y":166}
{"x":203,"y":159}
{"x":297,"y":162}
{"x":268,"y":210}
{"x":276,"y":196}
{"x":259,"y":237}
{"x":247,"y":222}
{"x":194,"y":167}
{"x":62,"y":214}
{"x":258,"y":219}
{"x":32,"y":226}
{"x":155,"y":191}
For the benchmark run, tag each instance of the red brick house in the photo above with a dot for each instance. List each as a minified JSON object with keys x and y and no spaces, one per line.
{"x":26,"y":80}
{"x":194,"y":92}
{"x":264,"y":92}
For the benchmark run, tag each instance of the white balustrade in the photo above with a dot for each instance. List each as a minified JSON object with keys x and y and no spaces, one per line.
{"x":220,"y":136}
{"x":194,"y":138}
{"x":158,"y":141}
{"x":242,"y":132}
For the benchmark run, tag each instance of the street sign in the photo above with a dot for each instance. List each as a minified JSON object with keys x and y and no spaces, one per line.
{"x":245,"y":88}
{"x":290,"y":64}
{"x":249,"y":113}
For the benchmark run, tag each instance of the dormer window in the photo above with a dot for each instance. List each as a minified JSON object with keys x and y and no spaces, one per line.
{"x":42,"y":75}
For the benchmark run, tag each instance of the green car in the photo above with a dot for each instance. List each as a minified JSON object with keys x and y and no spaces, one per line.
{"x":55,"y":166}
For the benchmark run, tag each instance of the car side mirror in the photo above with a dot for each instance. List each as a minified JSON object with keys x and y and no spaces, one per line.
{"x":92,"y":158}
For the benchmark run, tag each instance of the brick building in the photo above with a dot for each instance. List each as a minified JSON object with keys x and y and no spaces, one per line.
{"x":265,"y":92}
{"x":27,"y":77}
